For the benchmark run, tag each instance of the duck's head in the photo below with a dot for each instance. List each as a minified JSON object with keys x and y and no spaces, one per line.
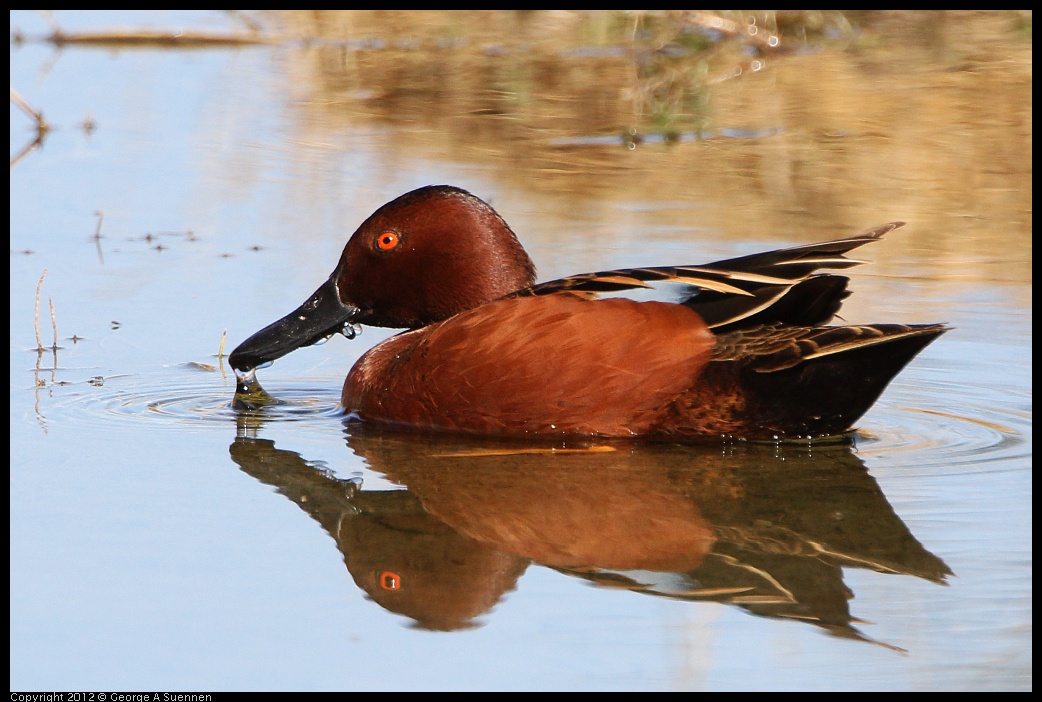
{"x":423,"y":257}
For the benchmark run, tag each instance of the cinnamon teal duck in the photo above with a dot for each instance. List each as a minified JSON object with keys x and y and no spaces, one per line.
{"x":743,"y":351}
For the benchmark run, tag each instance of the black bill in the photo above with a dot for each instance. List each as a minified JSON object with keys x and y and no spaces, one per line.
{"x":317,"y":319}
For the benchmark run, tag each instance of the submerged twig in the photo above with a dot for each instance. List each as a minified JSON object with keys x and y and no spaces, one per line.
{"x":54,"y":324}
{"x":40,"y":348}
{"x":28,"y":109}
{"x":42,"y":127}
{"x":36,"y":315}
{"x":172,"y":38}
{"x":97,"y":235}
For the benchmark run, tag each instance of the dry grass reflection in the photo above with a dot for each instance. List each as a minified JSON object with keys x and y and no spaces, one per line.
{"x":860,"y":111}
{"x":809,"y":122}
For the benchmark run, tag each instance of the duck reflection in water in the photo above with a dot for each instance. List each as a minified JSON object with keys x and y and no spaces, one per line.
{"x":764,"y":528}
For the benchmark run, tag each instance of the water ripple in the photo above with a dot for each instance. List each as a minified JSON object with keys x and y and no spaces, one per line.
{"x":175,"y":403}
{"x":959,"y":429}
{"x":948,"y":427}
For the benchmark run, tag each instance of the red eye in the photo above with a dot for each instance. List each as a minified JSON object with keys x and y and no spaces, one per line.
{"x":387,"y":240}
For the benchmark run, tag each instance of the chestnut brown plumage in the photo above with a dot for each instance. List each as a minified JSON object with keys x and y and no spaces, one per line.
{"x":743,"y":352}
